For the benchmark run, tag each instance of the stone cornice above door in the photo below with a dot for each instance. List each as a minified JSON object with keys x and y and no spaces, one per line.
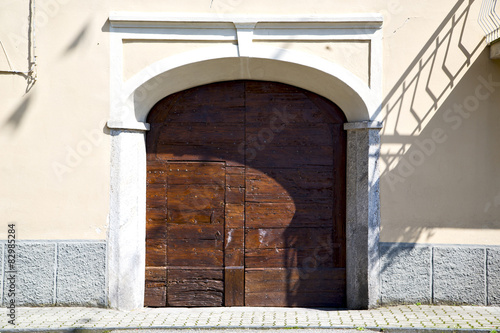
{"x":146,"y":45}
{"x":155,"y":19}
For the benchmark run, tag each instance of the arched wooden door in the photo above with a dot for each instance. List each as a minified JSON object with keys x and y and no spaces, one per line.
{"x":245,"y":198}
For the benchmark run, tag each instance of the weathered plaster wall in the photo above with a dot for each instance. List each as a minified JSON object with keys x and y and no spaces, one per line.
{"x":352,"y":55}
{"x":444,"y":187}
{"x":55,"y":148}
{"x":440,"y":181}
{"x":54,"y":169}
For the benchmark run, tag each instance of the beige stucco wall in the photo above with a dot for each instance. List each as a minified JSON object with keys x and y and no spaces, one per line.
{"x":440,"y":178}
{"x":54,"y":178}
{"x":54,"y":170}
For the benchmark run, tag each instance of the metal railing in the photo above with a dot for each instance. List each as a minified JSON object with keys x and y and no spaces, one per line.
{"x":489,"y":20}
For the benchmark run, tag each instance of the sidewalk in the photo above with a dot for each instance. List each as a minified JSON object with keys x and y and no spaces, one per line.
{"x":411,"y":317}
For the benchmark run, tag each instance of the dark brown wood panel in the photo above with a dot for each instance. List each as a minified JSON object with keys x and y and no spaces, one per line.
{"x":223,"y":102}
{"x":292,"y":134}
{"x":290,"y":156}
{"x":318,"y":299}
{"x":155,"y":293}
{"x":195,"y":287}
{"x":279,"y":215}
{"x":156,"y":252}
{"x":156,"y":223}
{"x":220,"y":152}
{"x":289,"y":257}
{"x":286,"y":287}
{"x":201,"y":133}
{"x":234,"y":214}
{"x":283,"y":238}
{"x":245,"y":198}
{"x":307,"y":184}
{"x":156,"y":286}
{"x":290,"y":197}
{"x":156,"y":173}
{"x":235,"y":240}
{"x":234,"y":257}
{"x":196,"y":174}
{"x":196,"y":194}
{"x":234,"y":246}
{"x":158,"y":274}
{"x":326,"y":280}
{"x":156,"y":196}
{"x":234,"y":279}
{"x":195,"y":233}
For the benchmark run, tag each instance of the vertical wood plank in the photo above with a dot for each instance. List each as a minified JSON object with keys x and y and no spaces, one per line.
{"x":285,"y":191}
{"x":234,"y":273}
{"x":293,"y":197}
{"x":234,"y":282}
{"x":195,"y":233}
{"x":156,"y":250}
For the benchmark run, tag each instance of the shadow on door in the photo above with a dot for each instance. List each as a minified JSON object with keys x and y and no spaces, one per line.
{"x":282,"y":230}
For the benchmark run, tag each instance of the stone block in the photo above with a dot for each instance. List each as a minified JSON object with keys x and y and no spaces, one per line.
{"x":34,"y":280}
{"x":405,"y":273}
{"x":81,"y":274}
{"x":493,"y":270}
{"x":459,"y":275}
{"x":2,"y":283}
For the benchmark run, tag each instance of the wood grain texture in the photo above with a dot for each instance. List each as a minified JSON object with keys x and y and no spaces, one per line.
{"x":288,"y":257}
{"x":156,"y":226}
{"x":292,"y":287}
{"x":319,"y":299}
{"x":189,"y":173}
{"x":155,"y":293}
{"x":287,"y":238}
{"x":195,"y":218}
{"x":234,"y":282}
{"x":195,"y":287}
{"x":279,"y":215}
{"x":156,"y":252}
{"x":158,"y":274}
{"x":156,"y":173}
{"x":245,"y":197}
{"x":215,"y":152}
{"x":318,"y":280}
{"x":235,"y":215}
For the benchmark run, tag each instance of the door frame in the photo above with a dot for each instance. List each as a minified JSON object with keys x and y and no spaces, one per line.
{"x":131,"y":101}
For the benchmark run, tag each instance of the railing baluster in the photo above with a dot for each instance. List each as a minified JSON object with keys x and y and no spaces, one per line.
{"x":489,"y":20}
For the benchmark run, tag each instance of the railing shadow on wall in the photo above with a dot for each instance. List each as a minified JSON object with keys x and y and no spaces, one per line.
{"x":417,"y":97}
{"x":489,"y":20}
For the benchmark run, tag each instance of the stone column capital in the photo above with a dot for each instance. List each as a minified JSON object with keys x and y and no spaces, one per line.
{"x":363,"y":125}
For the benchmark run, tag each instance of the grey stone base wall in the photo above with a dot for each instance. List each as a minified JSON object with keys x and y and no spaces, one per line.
{"x":439,"y":274}
{"x":73,"y":273}
{"x":56,"y":273}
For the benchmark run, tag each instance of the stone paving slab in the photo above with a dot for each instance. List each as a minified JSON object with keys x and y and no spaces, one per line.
{"x":408,"y":317}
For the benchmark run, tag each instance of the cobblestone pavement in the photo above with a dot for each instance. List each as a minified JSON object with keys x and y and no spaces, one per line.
{"x":407,"y":316}
{"x":240,"y":330}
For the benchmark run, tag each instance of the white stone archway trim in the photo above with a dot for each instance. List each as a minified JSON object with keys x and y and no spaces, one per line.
{"x":131,"y":101}
{"x":350,"y":93}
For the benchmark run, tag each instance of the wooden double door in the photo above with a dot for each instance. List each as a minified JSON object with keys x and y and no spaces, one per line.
{"x":245,"y":198}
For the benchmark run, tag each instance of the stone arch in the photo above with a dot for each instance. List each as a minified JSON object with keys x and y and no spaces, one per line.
{"x":222,"y":63}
